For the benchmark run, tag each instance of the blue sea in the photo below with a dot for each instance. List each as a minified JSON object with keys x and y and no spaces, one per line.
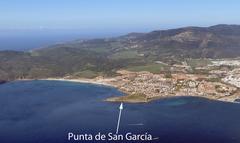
{"x":25,"y":40}
{"x":46,"y":111}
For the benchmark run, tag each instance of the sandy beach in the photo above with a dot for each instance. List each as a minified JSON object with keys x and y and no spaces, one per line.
{"x":92,"y":81}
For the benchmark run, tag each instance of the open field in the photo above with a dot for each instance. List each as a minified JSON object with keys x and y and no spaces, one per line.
{"x":153,"y":68}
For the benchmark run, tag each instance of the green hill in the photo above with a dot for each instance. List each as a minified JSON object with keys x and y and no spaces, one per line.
{"x":90,"y":58}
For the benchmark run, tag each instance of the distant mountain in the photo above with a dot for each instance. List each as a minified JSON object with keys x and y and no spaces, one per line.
{"x":220,"y":41}
{"x":94,"y":57}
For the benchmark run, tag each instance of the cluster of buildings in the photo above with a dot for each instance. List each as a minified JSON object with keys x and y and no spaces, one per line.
{"x":225,"y":62}
{"x":233,"y":77}
{"x":219,"y":83}
{"x":182,"y":84}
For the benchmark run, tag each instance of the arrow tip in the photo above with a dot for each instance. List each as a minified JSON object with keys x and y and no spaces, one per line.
{"x":121,"y":106}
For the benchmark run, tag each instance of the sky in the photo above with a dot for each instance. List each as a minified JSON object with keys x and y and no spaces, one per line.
{"x":116,"y":15}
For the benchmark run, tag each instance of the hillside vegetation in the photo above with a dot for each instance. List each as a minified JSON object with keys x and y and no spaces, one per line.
{"x":135,"y":51}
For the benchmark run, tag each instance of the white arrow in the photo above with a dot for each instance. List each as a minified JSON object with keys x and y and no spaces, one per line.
{"x":119,"y":117}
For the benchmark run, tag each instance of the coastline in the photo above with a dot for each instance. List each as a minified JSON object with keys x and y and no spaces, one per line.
{"x":91,"y":81}
{"x":127,"y":98}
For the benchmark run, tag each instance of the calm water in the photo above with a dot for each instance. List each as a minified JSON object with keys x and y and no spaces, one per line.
{"x":24,"y":40}
{"x":28,"y":40}
{"x":45,"y":111}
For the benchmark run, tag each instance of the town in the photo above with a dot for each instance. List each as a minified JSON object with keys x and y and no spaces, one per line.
{"x":220,"y":82}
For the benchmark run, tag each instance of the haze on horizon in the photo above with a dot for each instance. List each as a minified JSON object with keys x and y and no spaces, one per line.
{"x":95,"y":16}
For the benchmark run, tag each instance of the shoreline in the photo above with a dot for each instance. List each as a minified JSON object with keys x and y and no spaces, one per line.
{"x":90,"y":81}
{"x":127,"y":95}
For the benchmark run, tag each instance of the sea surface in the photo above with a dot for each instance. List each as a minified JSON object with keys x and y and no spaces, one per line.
{"x":21,"y":40}
{"x":46,"y":111}
{"x":26,"y":40}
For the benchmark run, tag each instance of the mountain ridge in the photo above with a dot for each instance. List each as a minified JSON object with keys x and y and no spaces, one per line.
{"x":104,"y":56}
